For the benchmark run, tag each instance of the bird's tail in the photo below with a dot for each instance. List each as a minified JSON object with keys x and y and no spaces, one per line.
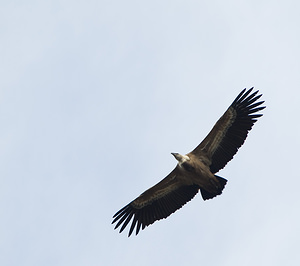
{"x":209,"y":195}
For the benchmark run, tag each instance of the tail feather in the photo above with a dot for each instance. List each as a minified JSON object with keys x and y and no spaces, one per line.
{"x":208,"y":195}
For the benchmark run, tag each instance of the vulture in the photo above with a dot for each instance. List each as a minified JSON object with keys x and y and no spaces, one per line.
{"x":195,"y":171}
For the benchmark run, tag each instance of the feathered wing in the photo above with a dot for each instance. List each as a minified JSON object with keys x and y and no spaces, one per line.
{"x":156,"y":203}
{"x":230,"y":131}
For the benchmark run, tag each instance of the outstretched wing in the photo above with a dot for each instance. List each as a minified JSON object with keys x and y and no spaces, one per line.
{"x":156,"y":203}
{"x":231,"y":130}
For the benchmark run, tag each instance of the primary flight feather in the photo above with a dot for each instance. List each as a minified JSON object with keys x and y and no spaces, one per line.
{"x":196,"y":170}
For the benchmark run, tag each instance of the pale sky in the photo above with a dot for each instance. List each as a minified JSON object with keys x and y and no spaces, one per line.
{"x":95,"y":95}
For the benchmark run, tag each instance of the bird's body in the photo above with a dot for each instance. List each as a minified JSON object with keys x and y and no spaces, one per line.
{"x":196,"y":170}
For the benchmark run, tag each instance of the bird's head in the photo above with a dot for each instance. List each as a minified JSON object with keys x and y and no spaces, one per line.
{"x":180,"y":158}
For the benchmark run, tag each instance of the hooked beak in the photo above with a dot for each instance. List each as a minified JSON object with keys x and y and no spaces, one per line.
{"x":175,"y":154}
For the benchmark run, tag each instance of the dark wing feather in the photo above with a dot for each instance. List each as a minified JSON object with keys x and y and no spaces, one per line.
{"x":231,"y":130}
{"x":156,"y":203}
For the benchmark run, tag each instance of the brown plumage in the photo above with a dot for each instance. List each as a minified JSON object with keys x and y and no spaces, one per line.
{"x":196,"y":170}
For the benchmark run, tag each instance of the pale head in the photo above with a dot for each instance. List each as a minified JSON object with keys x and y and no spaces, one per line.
{"x":180,"y":158}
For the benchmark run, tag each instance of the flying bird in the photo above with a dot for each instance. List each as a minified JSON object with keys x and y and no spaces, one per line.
{"x":196,"y":170}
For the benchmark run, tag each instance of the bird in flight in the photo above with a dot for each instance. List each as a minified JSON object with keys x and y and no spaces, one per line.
{"x":196,"y":170}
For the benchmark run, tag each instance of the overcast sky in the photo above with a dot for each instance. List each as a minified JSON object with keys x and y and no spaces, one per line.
{"x":95,"y":95}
